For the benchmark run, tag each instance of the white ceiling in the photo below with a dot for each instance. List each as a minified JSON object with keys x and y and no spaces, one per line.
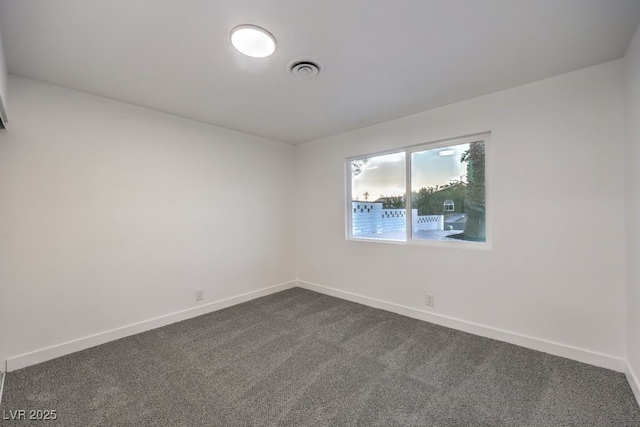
{"x":381,"y":58}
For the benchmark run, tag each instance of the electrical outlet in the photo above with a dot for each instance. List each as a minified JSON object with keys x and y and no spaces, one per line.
{"x":430,"y":300}
{"x":199,"y":295}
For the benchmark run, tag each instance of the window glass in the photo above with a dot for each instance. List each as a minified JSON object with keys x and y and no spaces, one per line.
{"x":378,"y":189}
{"x":445,"y":182}
{"x":448,"y":193}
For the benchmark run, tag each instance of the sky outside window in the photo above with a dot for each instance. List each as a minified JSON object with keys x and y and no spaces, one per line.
{"x":384,"y":175}
{"x":438,"y":167}
{"x":380,"y":176}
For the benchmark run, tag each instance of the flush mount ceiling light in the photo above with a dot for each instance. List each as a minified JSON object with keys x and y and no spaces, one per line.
{"x":253,"y":41}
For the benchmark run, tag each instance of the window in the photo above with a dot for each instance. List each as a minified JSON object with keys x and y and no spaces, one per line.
{"x":449,"y":206}
{"x":446,"y":183}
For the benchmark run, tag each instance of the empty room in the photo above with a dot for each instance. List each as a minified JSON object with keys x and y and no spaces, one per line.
{"x":329,"y":213}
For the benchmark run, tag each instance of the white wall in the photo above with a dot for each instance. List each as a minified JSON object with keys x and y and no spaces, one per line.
{"x":554,"y":277}
{"x":3,"y":84}
{"x":3,"y":97}
{"x":112,"y":214}
{"x":632,"y":122}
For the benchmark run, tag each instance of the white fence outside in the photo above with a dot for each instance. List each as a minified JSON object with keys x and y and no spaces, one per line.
{"x":371,"y":218}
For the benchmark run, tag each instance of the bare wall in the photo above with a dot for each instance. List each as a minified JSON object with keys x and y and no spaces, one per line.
{"x":554,"y":275}
{"x":111,"y":214}
{"x":3,"y":84}
{"x":632,"y":165}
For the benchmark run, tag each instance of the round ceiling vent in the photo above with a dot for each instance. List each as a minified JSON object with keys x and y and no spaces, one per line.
{"x":304,"y":69}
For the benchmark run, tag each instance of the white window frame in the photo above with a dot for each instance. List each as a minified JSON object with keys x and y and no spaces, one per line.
{"x":408,"y":151}
{"x":447,"y":204}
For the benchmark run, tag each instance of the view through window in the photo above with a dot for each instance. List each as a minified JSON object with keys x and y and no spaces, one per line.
{"x":447,"y":187}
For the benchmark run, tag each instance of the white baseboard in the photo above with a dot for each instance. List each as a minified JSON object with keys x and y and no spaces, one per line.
{"x":2,"y":374}
{"x":634,"y":382}
{"x":556,"y":349}
{"x":42,"y":355}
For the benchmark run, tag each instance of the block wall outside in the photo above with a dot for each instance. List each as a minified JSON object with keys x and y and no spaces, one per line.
{"x":371,"y":218}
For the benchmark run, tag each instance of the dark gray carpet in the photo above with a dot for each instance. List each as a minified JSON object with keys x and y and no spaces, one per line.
{"x":299,"y":358}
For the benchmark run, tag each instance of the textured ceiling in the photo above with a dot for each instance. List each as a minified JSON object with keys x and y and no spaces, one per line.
{"x":380,"y":59}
